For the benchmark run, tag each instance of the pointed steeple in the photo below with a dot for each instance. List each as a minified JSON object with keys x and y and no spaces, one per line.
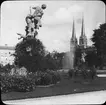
{"x":83,"y":38}
{"x":73,"y":38}
{"x":83,"y":28}
{"x":73,"y":31}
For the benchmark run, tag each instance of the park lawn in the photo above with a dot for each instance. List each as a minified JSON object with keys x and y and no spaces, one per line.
{"x":66,"y":86}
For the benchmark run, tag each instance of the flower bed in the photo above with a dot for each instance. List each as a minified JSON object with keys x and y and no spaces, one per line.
{"x":45,"y":78}
{"x":19,"y":83}
{"x":6,"y":83}
{"x":28,"y":83}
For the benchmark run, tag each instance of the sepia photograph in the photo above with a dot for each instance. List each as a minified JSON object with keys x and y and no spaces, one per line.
{"x":53,"y":52}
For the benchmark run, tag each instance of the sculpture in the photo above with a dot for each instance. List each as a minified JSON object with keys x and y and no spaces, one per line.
{"x":33,"y":22}
{"x":83,"y":57}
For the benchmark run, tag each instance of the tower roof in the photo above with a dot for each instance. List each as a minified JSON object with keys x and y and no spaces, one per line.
{"x":82,"y":28}
{"x":73,"y":31}
{"x":73,"y":38}
{"x":83,"y":38}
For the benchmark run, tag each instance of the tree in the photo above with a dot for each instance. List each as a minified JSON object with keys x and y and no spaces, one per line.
{"x":34,"y":61}
{"x":91,"y":57}
{"x":99,"y":41}
{"x":58,"y":58}
{"x":54,"y":60}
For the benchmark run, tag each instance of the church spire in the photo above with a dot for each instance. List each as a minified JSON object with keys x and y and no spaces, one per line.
{"x":83,"y":38}
{"x":73,"y":38}
{"x":73,"y":31}
{"x":83,"y":28}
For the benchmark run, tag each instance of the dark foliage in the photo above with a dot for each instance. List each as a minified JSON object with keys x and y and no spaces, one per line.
{"x":53,"y":61}
{"x":24,"y":84}
{"x":99,"y":41}
{"x":20,"y":83}
{"x":89,"y":73}
{"x":23,"y":58}
{"x":28,"y":83}
{"x":91,"y":58}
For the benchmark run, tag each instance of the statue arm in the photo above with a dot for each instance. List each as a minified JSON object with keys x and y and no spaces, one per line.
{"x":21,"y":36}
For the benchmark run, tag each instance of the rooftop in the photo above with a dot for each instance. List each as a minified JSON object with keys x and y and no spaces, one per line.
{"x":7,"y":47}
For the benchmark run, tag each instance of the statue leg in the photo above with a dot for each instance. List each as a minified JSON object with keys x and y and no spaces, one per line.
{"x":39,"y":22}
{"x":35,"y":34}
{"x":35,"y":22}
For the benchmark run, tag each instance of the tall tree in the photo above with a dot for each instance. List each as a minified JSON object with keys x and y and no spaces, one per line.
{"x":34,"y":61}
{"x":99,"y":41}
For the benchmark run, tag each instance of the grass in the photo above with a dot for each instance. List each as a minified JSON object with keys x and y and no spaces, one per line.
{"x":66,"y":86}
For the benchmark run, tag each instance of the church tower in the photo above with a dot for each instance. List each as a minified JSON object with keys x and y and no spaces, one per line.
{"x":83,"y":38}
{"x":73,"y":42}
{"x":73,"y":46}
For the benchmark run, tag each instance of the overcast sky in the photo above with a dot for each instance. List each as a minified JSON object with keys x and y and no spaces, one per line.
{"x":57,"y":20}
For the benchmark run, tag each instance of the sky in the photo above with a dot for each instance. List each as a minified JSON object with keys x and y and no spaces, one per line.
{"x":57,"y":20}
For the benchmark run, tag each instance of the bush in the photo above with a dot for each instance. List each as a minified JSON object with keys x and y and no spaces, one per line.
{"x":88,"y":73}
{"x":55,"y":76}
{"x":17,"y":83}
{"x":7,"y":84}
{"x":47,"y":77}
{"x":24,"y":84}
{"x":28,"y":83}
{"x":42,"y":78}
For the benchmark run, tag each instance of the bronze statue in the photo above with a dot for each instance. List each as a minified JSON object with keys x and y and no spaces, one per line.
{"x":33,"y":22}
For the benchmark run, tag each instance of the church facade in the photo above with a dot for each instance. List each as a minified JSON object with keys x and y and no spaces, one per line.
{"x":69,"y":59}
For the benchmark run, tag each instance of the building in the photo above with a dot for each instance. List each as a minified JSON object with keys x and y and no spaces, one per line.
{"x":73,"y":42}
{"x":69,"y":59}
{"x":82,"y":40}
{"x":6,"y":55}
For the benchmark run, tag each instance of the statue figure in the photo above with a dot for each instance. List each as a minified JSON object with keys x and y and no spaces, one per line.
{"x":83,"y":57}
{"x":21,"y":36}
{"x":37,"y":16}
{"x":34,"y":20}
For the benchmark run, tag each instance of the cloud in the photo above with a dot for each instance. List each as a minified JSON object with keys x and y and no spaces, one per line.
{"x":66,"y":13}
{"x":63,"y":15}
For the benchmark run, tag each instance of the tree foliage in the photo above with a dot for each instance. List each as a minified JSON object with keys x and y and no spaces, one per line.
{"x":23,"y":58}
{"x":40,"y":60}
{"x":91,"y":57}
{"x":99,"y":41}
{"x":54,"y":60}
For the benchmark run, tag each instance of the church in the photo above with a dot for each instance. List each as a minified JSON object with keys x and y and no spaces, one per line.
{"x":82,"y":40}
{"x":68,"y":61}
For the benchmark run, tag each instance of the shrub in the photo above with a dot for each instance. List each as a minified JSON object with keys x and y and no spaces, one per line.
{"x":47,"y":77}
{"x":24,"y":84}
{"x":43,"y":78}
{"x":17,"y":83}
{"x":7,"y":84}
{"x":28,"y":83}
{"x":55,"y":76}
